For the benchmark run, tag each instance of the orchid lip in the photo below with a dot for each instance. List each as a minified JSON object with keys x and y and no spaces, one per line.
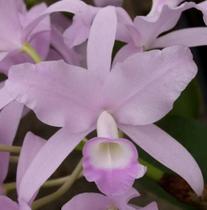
{"x":110,"y":155}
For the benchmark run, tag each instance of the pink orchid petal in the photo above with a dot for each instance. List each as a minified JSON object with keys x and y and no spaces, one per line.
{"x":78,"y":32}
{"x":32,"y":15}
{"x":125,"y":52}
{"x":52,"y":90}
{"x":151,"y":206}
{"x":103,"y":3}
{"x":141,"y":105}
{"x":87,"y":201}
{"x":47,"y":160}
{"x":203,"y":8}
{"x":10,"y":36}
{"x":111,"y":164}
{"x":9,"y":121}
{"x":101,"y":41}
{"x":60,"y":6}
{"x":5,"y":97}
{"x":191,"y":37}
{"x":7,"y":204}
{"x":124,"y":20}
{"x":168,"y":151}
{"x":32,"y":144}
{"x":150,"y":27}
{"x":57,"y":41}
{"x":157,"y":5}
{"x":96,"y":201}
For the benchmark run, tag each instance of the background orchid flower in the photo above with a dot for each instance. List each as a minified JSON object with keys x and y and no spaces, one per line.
{"x":31,"y":146}
{"x":15,"y":20}
{"x":146,"y":32}
{"x":110,"y":161}
{"x":73,"y":98}
{"x":88,"y":201}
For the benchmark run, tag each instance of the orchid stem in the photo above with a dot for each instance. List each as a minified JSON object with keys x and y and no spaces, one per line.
{"x":8,"y":187}
{"x":14,"y":159}
{"x":11,"y":149}
{"x":61,"y":191}
{"x":31,"y":52}
{"x":152,"y":172}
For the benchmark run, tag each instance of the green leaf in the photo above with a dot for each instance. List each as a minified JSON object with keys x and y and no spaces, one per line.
{"x":189,"y":103}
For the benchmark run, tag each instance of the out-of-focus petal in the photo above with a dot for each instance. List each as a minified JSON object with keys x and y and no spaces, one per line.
{"x":150,"y":27}
{"x":7,"y":204}
{"x":57,"y":92}
{"x":141,"y":77}
{"x":10,"y":36}
{"x":48,"y":159}
{"x":111,"y":164}
{"x":9,"y":121}
{"x":151,"y":206}
{"x":168,"y":151}
{"x":60,"y":6}
{"x":5,"y":97}
{"x":203,"y":8}
{"x":88,"y":201}
{"x":59,"y":44}
{"x":31,"y":146}
{"x":191,"y":37}
{"x":101,"y":41}
{"x":78,"y":32}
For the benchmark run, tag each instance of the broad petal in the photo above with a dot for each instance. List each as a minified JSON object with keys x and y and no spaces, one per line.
{"x":88,"y":201}
{"x":7,"y":204}
{"x":111,"y":164}
{"x":191,"y":37}
{"x":58,"y":93}
{"x":47,"y":160}
{"x":101,"y":41}
{"x":168,"y":151}
{"x":135,"y":97}
{"x":9,"y":121}
{"x":31,"y":146}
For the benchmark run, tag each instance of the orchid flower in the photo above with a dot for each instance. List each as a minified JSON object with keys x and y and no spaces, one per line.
{"x":137,"y":92}
{"x":147,"y":31}
{"x":15,"y":21}
{"x":88,"y":201}
{"x":31,"y":146}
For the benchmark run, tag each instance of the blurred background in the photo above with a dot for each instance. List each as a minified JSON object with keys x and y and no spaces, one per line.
{"x":187,"y":122}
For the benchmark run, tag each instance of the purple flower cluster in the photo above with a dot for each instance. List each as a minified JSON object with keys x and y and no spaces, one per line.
{"x":63,"y":70}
